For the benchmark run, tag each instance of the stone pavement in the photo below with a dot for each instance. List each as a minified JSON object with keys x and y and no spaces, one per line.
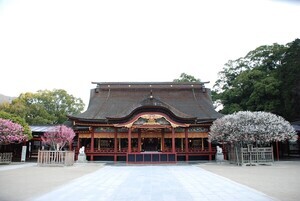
{"x":26,"y":181}
{"x":280,"y":180}
{"x":153,"y":182}
{"x":16,"y":165}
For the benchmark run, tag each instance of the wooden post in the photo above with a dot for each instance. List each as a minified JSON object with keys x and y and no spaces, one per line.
{"x":129,"y":140}
{"x":223,"y":147}
{"x":181,"y":144}
{"x":139,"y":140}
{"x":277,"y":150}
{"x":92,"y":143}
{"x":115,"y":144}
{"x":186,"y":144}
{"x":70,"y":146}
{"x":173,"y":140}
{"x":209,"y":150}
{"x":162,"y":140}
{"x":78,"y":142}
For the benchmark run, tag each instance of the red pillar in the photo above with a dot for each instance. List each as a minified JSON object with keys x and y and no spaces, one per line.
{"x":209,"y":149}
{"x":162,"y":140}
{"x":115,"y":144}
{"x":173,"y":140}
{"x":139,"y":140}
{"x":92,"y":143}
{"x":78,"y":146}
{"x":78,"y":142}
{"x":129,"y":140}
{"x":186,"y":144}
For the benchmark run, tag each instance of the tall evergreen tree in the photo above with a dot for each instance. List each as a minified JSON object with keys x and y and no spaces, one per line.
{"x":250,"y":83}
{"x":266,"y":79}
{"x":289,"y":76}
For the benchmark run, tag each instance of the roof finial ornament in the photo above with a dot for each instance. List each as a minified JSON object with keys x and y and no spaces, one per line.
{"x":151,"y":95}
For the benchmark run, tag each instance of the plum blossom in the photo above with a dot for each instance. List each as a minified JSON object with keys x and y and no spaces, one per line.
{"x":250,"y":127}
{"x":11,"y":132}
{"x":58,"y":137}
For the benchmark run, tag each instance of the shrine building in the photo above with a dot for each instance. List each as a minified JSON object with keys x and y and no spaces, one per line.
{"x":146,"y":122}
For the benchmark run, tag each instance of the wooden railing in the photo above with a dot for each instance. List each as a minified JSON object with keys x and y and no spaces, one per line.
{"x":151,"y":157}
{"x":178,"y":150}
{"x":124,"y":150}
{"x":197,"y":150}
{"x":6,"y":157}
{"x":55,"y":158}
{"x":257,"y":155}
{"x":111,"y":152}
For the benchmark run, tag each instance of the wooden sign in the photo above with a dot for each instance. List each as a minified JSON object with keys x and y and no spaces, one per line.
{"x":23,"y":155}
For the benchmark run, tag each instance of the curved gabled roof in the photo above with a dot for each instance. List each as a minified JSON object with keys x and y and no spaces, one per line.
{"x":118,"y":101}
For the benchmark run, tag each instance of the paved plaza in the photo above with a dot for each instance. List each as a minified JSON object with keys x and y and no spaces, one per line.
{"x":113,"y":182}
{"x":165,"y":183}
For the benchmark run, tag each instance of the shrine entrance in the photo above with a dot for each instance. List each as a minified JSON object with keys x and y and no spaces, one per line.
{"x":151,"y":144}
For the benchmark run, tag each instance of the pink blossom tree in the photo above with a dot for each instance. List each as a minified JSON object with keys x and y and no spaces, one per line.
{"x":251,"y":127}
{"x":58,"y":137}
{"x":11,"y":132}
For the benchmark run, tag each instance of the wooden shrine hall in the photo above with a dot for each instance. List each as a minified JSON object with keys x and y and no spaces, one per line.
{"x":141,"y":122}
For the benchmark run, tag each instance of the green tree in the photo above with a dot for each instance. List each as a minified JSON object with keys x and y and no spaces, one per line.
{"x":289,"y":76}
{"x":45,"y":107}
{"x":251,"y":83}
{"x":186,"y":78}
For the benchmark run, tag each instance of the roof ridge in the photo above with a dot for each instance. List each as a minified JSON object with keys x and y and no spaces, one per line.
{"x":129,"y":84}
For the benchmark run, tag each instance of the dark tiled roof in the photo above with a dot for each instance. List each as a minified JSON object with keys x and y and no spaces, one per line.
{"x":296,"y":125}
{"x":117,"y":101}
{"x":42,"y":128}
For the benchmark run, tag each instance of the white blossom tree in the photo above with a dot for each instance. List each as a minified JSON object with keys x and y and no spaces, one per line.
{"x":251,"y":127}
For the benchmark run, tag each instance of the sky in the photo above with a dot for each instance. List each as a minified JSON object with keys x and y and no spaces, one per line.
{"x":67,"y":44}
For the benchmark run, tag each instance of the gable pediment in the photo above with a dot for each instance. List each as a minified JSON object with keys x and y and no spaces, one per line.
{"x":145,"y":120}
